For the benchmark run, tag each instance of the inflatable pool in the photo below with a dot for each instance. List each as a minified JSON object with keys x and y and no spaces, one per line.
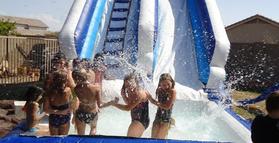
{"x":185,"y":38}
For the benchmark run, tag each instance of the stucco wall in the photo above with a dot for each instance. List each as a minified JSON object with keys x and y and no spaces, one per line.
{"x":256,"y":32}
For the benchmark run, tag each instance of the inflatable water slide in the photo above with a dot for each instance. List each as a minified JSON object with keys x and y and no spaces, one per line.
{"x":185,"y":38}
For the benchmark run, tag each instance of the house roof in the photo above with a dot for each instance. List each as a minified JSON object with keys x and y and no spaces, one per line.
{"x":25,"y":21}
{"x":255,"y":17}
{"x":25,"y":32}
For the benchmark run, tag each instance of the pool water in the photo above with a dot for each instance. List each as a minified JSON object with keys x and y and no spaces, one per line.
{"x":195,"y":120}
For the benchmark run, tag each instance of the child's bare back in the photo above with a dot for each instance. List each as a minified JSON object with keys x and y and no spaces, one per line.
{"x":89,"y":96}
{"x":32,"y":109}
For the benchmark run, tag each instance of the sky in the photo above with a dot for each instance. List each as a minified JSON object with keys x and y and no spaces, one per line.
{"x":54,"y":12}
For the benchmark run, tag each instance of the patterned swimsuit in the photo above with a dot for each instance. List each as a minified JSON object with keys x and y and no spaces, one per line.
{"x":163,"y":115}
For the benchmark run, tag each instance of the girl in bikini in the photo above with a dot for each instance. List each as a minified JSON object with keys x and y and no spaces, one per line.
{"x":166,"y":95}
{"x":58,"y":104}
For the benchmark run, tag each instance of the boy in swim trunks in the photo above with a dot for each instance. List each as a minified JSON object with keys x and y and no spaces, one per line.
{"x":89,"y":103}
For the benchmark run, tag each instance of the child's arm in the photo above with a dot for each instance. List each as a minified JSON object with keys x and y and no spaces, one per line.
{"x":37,"y":116}
{"x":74,"y":100}
{"x":47,"y":82}
{"x":46,"y":105}
{"x":71,"y":83}
{"x":166,"y":105}
{"x":99,"y":101}
{"x":152,"y":100}
{"x":41,"y":116}
{"x":128,"y":106}
{"x":124,"y":96}
{"x":116,"y":99}
{"x":98,"y":95}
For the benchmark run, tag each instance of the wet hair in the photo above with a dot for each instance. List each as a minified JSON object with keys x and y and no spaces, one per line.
{"x":167,"y":76}
{"x":76,"y":63}
{"x":99,"y":57}
{"x":129,"y":77}
{"x":59,"y":56}
{"x":33,"y":93}
{"x":272,"y":102}
{"x":86,"y":64}
{"x":60,"y":79}
{"x":79,"y":76}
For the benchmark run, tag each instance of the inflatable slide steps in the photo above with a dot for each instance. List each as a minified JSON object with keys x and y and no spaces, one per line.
{"x":115,"y":35}
{"x":116,"y":30}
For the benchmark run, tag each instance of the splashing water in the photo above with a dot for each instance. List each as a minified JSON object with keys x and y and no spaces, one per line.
{"x":196,"y":118}
{"x":145,"y":81}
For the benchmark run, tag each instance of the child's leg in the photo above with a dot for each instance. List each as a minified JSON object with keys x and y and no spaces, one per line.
{"x":80,"y":126}
{"x":136,"y":129}
{"x":163,"y":131}
{"x":53,"y":130}
{"x":155,"y":128}
{"x":64,"y":129}
{"x":93,"y":126}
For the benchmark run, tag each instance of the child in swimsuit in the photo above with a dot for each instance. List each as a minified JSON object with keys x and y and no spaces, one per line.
{"x":136,"y":101}
{"x":59,"y":62}
{"x":89,"y":103}
{"x":33,"y":116}
{"x":166,"y":95}
{"x":99,"y":68}
{"x":57,"y":104}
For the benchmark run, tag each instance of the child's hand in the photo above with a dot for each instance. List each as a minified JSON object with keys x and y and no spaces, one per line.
{"x":116,"y":99}
{"x":149,"y":97}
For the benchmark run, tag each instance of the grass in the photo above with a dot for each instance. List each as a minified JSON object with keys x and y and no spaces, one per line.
{"x":248,"y":112}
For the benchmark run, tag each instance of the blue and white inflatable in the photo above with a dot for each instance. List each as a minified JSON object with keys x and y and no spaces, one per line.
{"x":184,"y":38}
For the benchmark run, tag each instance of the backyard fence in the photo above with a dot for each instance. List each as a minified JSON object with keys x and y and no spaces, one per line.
{"x":25,"y":59}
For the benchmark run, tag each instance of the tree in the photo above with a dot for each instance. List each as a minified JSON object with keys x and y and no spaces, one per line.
{"x":7,"y":28}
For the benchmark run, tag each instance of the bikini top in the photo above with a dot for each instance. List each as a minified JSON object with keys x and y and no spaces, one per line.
{"x":61,"y":107}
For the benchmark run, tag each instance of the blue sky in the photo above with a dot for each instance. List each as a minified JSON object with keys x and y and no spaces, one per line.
{"x":54,"y":12}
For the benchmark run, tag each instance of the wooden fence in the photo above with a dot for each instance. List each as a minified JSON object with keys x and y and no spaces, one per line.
{"x":25,"y":59}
